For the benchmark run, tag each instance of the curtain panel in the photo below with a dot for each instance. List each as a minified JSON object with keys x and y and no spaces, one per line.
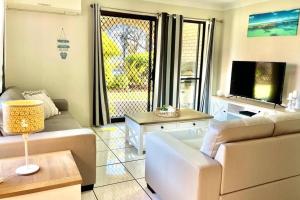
{"x":100,"y":102}
{"x":168,"y":58}
{"x":207,"y":75}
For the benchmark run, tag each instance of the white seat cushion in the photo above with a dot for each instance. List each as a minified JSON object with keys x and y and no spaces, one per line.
{"x":194,"y":143}
{"x":184,"y":134}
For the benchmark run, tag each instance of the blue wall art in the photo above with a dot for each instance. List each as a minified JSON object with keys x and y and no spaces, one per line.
{"x":63,"y":45}
{"x":281,"y":23}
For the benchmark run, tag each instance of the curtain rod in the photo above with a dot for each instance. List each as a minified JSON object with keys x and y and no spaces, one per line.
{"x":149,"y":13}
{"x":125,"y":10}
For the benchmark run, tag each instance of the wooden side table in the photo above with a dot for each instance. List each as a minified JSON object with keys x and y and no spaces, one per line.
{"x":58,"y":178}
{"x":139,"y":124}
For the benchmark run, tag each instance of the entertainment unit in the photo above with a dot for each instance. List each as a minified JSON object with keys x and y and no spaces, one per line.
{"x":224,"y":108}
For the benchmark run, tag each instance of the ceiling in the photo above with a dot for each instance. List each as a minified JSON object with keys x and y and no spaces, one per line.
{"x":210,"y":4}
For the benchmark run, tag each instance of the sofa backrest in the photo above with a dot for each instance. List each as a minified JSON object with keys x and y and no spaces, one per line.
{"x":286,"y":123}
{"x":234,"y":131}
{"x":11,"y":93}
{"x":251,"y":163}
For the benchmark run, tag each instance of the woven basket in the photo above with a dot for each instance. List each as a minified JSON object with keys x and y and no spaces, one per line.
{"x":167,"y":114}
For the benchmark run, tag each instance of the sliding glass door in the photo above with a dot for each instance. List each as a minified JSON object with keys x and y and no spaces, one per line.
{"x":128,"y":46}
{"x":193,"y":37}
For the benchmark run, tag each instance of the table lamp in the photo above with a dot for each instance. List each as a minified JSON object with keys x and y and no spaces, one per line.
{"x":23,"y":117}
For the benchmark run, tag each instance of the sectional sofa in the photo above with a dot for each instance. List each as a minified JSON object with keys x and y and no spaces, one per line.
{"x":62,"y":132}
{"x":249,"y":159}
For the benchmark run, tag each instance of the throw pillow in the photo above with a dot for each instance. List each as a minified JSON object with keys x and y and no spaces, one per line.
{"x":49,"y":107}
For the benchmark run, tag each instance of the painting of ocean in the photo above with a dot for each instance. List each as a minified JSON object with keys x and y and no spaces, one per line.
{"x":281,"y":23}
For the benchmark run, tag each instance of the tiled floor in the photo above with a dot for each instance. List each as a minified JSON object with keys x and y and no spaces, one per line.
{"x":120,"y":170}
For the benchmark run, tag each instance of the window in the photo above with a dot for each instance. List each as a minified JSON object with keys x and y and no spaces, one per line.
{"x":193,"y":35}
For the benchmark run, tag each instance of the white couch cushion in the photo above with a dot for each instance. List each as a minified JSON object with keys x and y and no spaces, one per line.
{"x":194,"y":143}
{"x":286,"y":123}
{"x":233,"y":131}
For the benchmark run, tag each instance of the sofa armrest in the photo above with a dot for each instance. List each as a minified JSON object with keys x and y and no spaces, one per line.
{"x":61,"y":104}
{"x":176,"y":171}
{"x":81,"y":142}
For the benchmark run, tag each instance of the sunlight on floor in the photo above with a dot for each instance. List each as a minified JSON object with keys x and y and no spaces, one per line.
{"x":120,"y":170}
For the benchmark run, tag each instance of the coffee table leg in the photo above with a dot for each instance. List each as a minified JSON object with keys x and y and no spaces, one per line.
{"x":141,"y":141}
{"x":126,"y":130}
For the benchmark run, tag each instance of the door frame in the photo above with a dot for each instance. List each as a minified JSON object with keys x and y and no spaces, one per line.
{"x":153,"y":25}
{"x":199,"y":62}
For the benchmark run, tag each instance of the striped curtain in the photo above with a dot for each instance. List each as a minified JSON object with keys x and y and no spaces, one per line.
{"x":100,"y":103}
{"x":168,"y":55}
{"x":206,"y":90}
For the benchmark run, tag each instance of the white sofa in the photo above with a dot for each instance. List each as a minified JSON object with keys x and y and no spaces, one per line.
{"x":250,"y":159}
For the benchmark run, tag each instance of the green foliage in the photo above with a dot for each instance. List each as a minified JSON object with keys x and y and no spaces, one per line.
{"x":133,"y":70}
{"x":137,"y":68}
{"x":140,"y":59}
{"x":110,"y":47}
{"x":110,"y":50}
{"x":109,"y":76}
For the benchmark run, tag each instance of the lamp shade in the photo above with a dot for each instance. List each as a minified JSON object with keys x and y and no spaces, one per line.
{"x":23,"y":116}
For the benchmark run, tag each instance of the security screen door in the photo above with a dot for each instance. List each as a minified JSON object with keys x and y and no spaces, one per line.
{"x":128,"y":52}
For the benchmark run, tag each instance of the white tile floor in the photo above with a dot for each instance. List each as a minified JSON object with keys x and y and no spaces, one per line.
{"x":120,"y":170}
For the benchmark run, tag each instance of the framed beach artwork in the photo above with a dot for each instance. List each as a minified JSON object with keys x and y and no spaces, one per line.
{"x":281,"y":23}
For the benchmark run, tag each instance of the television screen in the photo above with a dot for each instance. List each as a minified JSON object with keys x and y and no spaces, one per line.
{"x":258,"y":80}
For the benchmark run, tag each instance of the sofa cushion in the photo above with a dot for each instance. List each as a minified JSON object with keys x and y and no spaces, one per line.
{"x":194,"y":143}
{"x":11,"y":93}
{"x":186,"y":134}
{"x":286,"y":123}
{"x":233,"y":131}
{"x":64,"y":121}
{"x":61,"y":104}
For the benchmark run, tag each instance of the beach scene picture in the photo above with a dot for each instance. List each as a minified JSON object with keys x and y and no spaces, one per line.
{"x":281,"y":23}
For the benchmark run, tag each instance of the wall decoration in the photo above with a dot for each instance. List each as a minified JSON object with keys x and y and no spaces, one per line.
{"x":63,"y":45}
{"x":281,"y":23}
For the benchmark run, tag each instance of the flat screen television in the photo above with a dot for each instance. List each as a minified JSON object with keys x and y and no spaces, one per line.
{"x":258,"y":80}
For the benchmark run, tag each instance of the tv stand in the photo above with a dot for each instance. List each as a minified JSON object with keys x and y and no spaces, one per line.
{"x":226,"y":108}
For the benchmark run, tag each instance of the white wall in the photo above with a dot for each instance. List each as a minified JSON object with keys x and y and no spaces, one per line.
{"x":33,"y":60}
{"x":236,"y":45}
{"x":2,"y":42}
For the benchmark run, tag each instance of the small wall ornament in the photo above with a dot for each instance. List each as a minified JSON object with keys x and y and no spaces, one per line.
{"x":63,"y":45}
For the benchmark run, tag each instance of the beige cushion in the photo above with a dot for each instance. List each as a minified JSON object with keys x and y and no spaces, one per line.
{"x":49,"y":106}
{"x":233,"y":131}
{"x":64,"y":121}
{"x":286,"y":123}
